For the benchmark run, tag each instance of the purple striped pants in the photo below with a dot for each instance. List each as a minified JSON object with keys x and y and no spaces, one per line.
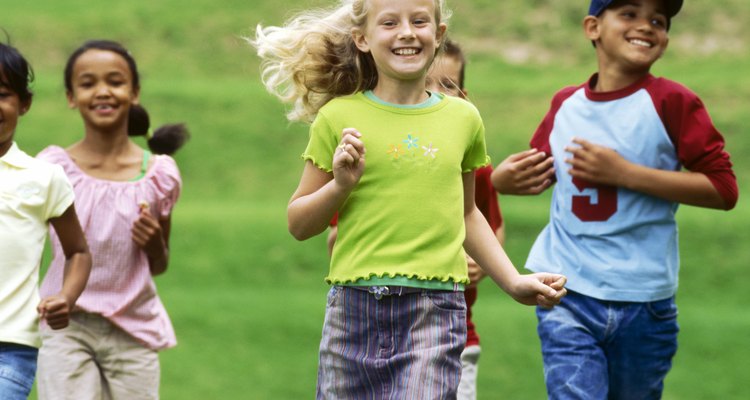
{"x":405,"y":346}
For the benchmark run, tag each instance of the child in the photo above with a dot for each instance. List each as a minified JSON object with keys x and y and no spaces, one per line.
{"x":624,"y":136}
{"x":32,"y":194}
{"x":125,"y":197}
{"x":447,"y":76}
{"x":395,"y":321}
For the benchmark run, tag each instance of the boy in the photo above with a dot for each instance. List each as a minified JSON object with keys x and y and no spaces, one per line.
{"x":618,"y":143}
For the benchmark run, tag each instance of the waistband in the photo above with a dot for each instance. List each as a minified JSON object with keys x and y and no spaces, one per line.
{"x":391,"y":290}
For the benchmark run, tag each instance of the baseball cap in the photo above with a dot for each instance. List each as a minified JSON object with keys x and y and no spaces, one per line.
{"x":598,"y":6}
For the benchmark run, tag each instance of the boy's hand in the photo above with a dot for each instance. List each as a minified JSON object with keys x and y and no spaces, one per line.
{"x":147,"y":233}
{"x":542,"y":289}
{"x":476,"y":273}
{"x":349,"y":158}
{"x":55,"y":310}
{"x":526,"y":173}
{"x":596,"y":164}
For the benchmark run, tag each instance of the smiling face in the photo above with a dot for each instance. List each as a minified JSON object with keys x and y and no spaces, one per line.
{"x":402,"y":36}
{"x":630,"y":35}
{"x":11,"y":107}
{"x":102,"y":90}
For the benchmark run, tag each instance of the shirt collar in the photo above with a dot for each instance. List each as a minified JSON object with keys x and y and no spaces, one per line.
{"x":16,"y":157}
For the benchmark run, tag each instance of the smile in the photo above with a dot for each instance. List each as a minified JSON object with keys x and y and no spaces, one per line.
{"x":641,"y":43}
{"x":410,"y":51}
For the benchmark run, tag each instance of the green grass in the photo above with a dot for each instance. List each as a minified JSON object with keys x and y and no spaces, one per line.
{"x":247,"y":300}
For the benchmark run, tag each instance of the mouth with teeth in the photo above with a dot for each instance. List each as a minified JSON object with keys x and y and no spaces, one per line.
{"x":103,"y":108}
{"x":641,"y":43}
{"x":407,"y":51}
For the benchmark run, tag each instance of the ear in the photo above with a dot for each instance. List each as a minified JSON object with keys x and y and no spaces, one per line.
{"x":440,"y":33}
{"x":71,"y":99}
{"x":25,"y":107}
{"x":360,"y":40}
{"x":592,"y":27}
{"x":136,"y":96}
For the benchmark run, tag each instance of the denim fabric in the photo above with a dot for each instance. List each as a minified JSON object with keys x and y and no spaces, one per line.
{"x":594,"y":349}
{"x":17,"y":370}
{"x":395,"y":347}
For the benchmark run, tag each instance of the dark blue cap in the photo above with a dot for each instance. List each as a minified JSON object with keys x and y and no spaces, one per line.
{"x":598,"y":6}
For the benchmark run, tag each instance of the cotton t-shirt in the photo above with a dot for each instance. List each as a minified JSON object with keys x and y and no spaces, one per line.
{"x":405,"y":217}
{"x":31,"y":193}
{"x":613,"y":243}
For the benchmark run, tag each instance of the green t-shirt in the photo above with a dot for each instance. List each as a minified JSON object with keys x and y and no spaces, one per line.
{"x":406,"y":215}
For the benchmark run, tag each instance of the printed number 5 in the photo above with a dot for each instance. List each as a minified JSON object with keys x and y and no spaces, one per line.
{"x":605,"y":207}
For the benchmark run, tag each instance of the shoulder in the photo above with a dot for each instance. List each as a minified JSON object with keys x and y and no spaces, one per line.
{"x":565,"y":93}
{"x":53,"y":154}
{"x":341,"y":104}
{"x":663,"y":88}
{"x":166,"y":167}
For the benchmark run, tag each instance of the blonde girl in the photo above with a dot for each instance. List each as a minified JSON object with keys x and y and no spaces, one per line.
{"x":397,"y":163}
{"x":125,"y":196}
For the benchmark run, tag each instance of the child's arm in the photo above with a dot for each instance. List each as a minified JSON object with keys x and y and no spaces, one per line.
{"x":320,"y":194}
{"x":152,"y":235}
{"x":481,"y":244}
{"x":525,"y":173}
{"x":603,"y":165}
{"x":56,"y":309}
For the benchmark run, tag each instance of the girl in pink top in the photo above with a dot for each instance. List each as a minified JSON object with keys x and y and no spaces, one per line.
{"x":125,"y":198}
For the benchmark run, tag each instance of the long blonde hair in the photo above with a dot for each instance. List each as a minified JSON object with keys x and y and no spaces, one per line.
{"x":312,"y":58}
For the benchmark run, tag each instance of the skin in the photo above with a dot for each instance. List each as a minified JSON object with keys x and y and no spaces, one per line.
{"x":393,"y":25}
{"x":103,"y":93}
{"x":54,"y":309}
{"x":629,"y":39}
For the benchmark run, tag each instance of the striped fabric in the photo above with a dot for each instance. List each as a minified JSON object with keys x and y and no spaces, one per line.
{"x":398,"y":347}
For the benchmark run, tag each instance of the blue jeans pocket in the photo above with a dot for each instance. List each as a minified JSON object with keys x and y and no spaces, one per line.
{"x":662,"y":309}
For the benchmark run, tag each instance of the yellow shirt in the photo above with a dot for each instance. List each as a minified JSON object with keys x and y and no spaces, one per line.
{"x":31,"y":192}
{"x":406,"y":216}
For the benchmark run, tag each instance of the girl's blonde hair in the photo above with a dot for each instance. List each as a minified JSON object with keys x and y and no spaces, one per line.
{"x":312,"y":58}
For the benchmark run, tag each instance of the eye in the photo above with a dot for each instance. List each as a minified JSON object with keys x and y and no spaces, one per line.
{"x":389,"y":23}
{"x":660,"y":22}
{"x":420,"y":22}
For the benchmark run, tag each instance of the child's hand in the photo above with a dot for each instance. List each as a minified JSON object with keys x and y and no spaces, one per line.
{"x":527,"y":172}
{"x":542,"y":289}
{"x":55,"y":310}
{"x":147,"y":233}
{"x":476,"y":273}
{"x":596,"y":164}
{"x":349,"y":159}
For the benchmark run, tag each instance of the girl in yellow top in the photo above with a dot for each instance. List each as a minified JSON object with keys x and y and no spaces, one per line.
{"x":395,"y":321}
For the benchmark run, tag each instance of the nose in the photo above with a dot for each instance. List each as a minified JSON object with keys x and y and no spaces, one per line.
{"x":406,"y":32}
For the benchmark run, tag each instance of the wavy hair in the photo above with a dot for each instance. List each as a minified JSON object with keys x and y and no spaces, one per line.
{"x":312,"y":58}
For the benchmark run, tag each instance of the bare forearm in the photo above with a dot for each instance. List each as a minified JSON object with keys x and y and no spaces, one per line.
{"x":75,"y":276}
{"x":311,"y":214}
{"x":482,"y":245}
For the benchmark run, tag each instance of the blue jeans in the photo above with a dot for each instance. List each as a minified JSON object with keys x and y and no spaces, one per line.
{"x":594,"y":349}
{"x":17,"y":370}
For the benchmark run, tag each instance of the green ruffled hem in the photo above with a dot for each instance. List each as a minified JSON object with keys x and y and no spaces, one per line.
{"x":308,"y":157}
{"x":487,"y":161}
{"x":447,"y":278}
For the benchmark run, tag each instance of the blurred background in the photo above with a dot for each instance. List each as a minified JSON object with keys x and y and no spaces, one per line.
{"x":247,"y":300}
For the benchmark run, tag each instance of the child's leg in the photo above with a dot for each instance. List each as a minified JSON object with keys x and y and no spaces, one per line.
{"x":398,"y":346}
{"x":575,"y":365}
{"x":17,"y":370}
{"x":641,"y":354}
{"x":129,"y":370}
{"x":67,"y":363}
{"x":467,"y":387}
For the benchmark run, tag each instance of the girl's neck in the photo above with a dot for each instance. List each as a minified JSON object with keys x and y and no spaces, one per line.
{"x":103,"y":143}
{"x":401,"y":92}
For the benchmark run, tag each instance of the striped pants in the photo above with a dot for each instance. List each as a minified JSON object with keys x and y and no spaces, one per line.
{"x":400,"y":346}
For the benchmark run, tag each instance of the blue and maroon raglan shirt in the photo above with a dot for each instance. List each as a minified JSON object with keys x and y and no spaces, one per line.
{"x":613,"y":243}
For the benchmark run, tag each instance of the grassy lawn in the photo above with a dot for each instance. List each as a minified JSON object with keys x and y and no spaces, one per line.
{"x":247,"y":300}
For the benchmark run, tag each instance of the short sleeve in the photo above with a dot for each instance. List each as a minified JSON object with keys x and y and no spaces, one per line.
{"x":476,"y":154}
{"x":322,"y":144}
{"x":60,"y":195}
{"x":168,"y":183}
